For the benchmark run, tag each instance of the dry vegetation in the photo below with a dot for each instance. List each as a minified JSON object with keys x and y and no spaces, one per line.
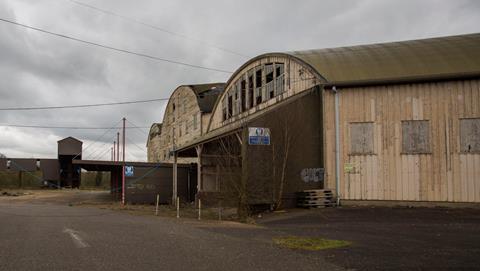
{"x":309,"y":243}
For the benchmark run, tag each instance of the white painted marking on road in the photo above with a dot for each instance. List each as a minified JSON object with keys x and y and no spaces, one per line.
{"x":76,"y":238}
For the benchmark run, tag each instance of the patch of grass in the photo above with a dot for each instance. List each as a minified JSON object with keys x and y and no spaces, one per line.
{"x":309,"y":243}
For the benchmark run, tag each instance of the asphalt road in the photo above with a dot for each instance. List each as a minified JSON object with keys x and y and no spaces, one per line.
{"x":390,"y":238}
{"x":40,"y":231}
{"x":60,"y":237}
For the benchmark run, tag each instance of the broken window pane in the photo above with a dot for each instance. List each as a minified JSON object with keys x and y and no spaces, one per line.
{"x":250,"y":90}
{"x":258,"y":86}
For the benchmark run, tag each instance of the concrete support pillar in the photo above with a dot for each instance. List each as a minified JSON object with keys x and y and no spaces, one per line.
{"x":199,"y":149}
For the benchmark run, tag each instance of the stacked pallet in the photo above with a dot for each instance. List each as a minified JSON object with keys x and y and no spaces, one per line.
{"x":318,"y":198}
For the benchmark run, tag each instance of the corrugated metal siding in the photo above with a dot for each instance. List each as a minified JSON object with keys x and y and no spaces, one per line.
{"x":3,"y":164}
{"x":446,"y":174}
{"x":23,"y":164}
{"x":453,"y":55}
{"x":69,"y":146}
{"x":148,"y":182}
{"x":50,"y":169}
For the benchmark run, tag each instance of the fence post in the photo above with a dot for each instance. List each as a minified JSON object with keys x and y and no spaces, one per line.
{"x":199,"y":209}
{"x":220,"y":211}
{"x":178,"y":207}
{"x":156,"y":208}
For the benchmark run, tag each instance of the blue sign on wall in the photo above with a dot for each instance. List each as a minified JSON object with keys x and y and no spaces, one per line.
{"x":258,"y":136}
{"x":129,"y":171}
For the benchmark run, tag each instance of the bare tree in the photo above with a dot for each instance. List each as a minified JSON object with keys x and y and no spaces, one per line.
{"x":286,"y":129}
{"x":2,"y":155}
{"x":251,"y":175}
{"x":232,"y":167}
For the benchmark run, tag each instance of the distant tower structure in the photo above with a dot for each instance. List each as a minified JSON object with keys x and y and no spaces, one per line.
{"x":68,"y":149}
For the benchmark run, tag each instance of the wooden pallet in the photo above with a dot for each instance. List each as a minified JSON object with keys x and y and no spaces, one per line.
{"x":320,"y":198}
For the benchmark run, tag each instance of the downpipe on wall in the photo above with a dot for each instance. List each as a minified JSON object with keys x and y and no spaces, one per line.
{"x":337,"y":145}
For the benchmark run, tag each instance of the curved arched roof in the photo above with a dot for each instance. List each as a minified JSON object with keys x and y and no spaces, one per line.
{"x":402,"y":61}
{"x":415,"y":59}
{"x":155,"y":130}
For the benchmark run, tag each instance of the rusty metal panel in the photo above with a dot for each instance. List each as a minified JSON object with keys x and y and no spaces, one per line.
{"x":50,"y":169}
{"x":69,"y":146}
{"x":148,"y":181}
{"x":361,"y":138}
{"x":23,"y":164}
{"x":3,"y":164}
{"x":415,"y":136}
{"x":470,"y":135}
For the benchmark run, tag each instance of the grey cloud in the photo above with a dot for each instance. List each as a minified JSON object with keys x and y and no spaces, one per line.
{"x":44,"y":70}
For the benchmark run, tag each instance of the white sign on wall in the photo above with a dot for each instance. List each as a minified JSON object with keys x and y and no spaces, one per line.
{"x":129,"y":171}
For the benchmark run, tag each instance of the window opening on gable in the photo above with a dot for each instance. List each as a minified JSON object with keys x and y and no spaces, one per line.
{"x":250,"y":90}
{"x":269,"y":80}
{"x":243,"y":96}
{"x":258,"y":86}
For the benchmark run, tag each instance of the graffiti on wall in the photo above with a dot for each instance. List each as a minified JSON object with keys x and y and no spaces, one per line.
{"x":312,"y":174}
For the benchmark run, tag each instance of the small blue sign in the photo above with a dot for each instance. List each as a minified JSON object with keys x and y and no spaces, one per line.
{"x":259,"y":140}
{"x":258,"y":136}
{"x":128,"y":171}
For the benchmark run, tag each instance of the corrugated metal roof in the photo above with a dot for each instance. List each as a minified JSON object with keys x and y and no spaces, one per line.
{"x":69,"y":138}
{"x":415,"y":59}
{"x":207,"y":94}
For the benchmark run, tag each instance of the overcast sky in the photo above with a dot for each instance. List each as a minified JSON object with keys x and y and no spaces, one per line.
{"x":42,"y":70}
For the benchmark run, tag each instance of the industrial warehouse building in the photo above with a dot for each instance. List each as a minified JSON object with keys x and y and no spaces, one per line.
{"x":32,"y":172}
{"x":142,"y":181}
{"x":394,"y":121}
{"x":186,"y":118}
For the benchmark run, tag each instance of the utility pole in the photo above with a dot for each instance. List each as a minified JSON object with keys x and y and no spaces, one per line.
{"x":111,"y":154}
{"x":114,"y":149}
{"x":123,"y":167}
{"x":118,"y":146}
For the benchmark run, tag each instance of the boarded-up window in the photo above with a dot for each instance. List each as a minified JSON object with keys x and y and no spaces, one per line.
{"x":361,"y":138}
{"x":470,"y":135}
{"x":415,"y":136}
